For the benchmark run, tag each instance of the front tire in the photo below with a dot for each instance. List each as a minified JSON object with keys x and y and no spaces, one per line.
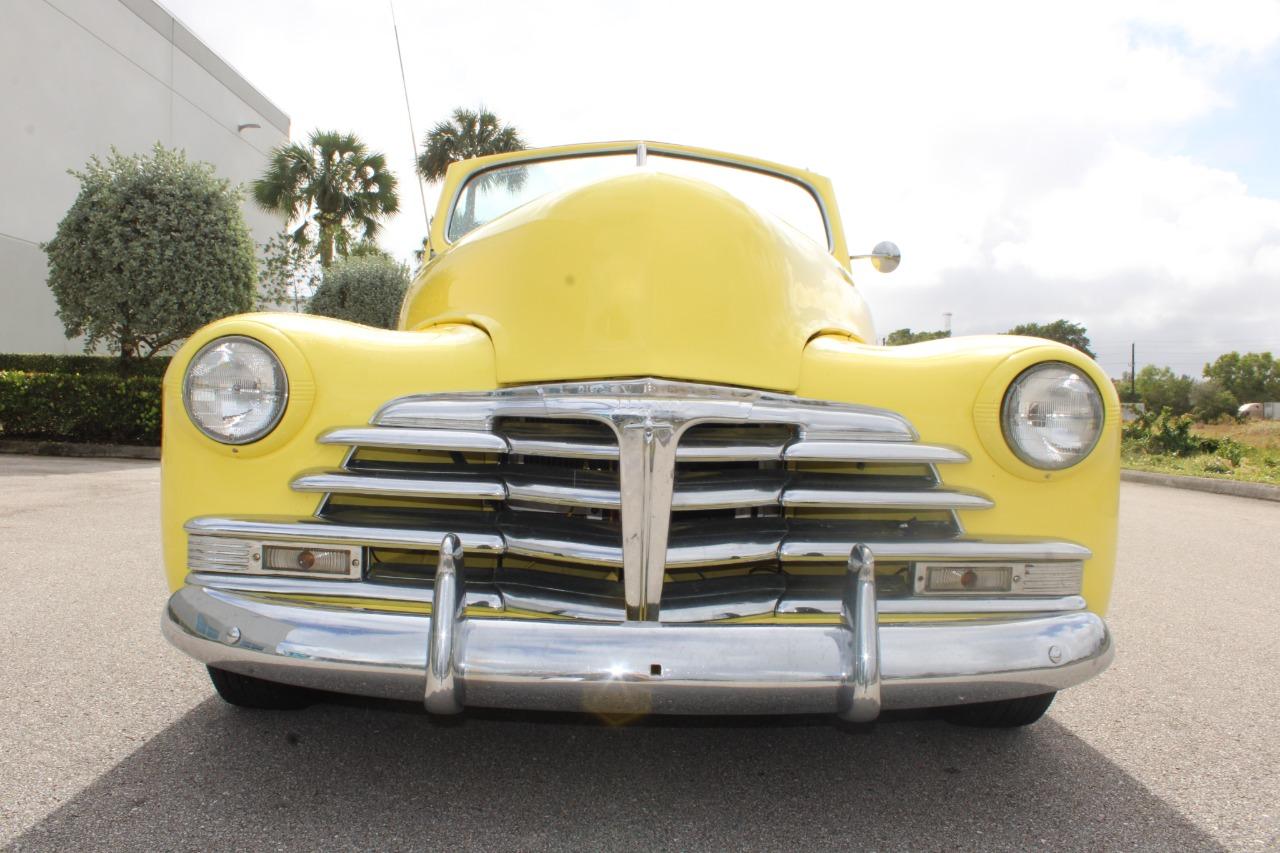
{"x":245,"y":691}
{"x":1005,"y":714}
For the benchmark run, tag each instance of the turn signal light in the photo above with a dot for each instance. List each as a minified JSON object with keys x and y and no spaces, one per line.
{"x":968,"y":579}
{"x":316,"y":561}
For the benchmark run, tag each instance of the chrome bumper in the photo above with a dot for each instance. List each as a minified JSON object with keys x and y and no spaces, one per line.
{"x":449,"y":660}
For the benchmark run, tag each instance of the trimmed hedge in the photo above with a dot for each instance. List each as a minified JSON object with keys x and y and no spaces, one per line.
{"x":41,"y":363}
{"x":89,"y":407}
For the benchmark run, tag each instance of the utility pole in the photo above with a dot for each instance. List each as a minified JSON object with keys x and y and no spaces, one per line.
{"x":1133,"y":370}
{"x":946,"y":323}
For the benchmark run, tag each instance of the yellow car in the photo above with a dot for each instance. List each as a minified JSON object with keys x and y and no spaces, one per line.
{"x":633,"y":449}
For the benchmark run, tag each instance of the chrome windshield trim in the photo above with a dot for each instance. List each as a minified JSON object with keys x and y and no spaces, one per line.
{"x":605,"y":149}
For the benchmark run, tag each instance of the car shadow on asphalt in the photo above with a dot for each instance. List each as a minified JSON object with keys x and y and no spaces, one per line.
{"x":369,"y":774}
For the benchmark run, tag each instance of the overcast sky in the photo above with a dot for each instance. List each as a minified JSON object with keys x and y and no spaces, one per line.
{"x":1117,"y":163}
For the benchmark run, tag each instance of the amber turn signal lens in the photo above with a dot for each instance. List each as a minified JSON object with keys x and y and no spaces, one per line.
{"x":969,"y":579}
{"x":309,"y":560}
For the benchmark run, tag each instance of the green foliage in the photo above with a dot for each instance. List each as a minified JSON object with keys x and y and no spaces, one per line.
{"x":1062,"y":331}
{"x":332,"y":186}
{"x":1252,"y":378}
{"x":1168,"y":432}
{"x":365,"y":290}
{"x":1210,"y":401}
{"x":288,"y":275}
{"x":1124,"y":388}
{"x":464,"y":135}
{"x":41,"y":363}
{"x":93,"y":407}
{"x":899,"y":337}
{"x":1160,"y":388}
{"x":153,"y":248}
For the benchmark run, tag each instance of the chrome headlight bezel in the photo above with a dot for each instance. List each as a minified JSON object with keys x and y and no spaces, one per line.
{"x":281,"y":403}
{"x":1010,"y":410}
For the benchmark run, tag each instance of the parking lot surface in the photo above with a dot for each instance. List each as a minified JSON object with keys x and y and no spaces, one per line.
{"x":113,"y":740}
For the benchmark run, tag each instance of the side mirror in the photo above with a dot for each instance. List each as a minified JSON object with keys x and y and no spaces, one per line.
{"x":884,"y":257}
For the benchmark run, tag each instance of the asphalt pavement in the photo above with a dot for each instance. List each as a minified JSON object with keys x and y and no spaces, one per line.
{"x":110,"y":739}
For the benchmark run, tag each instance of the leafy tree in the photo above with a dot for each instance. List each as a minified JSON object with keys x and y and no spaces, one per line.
{"x":288,"y":275}
{"x":906,"y":336}
{"x":1252,"y":377}
{"x":153,"y":248}
{"x":1210,"y":401}
{"x":367,"y":289}
{"x":333,"y":185}
{"x":467,"y":134}
{"x":1124,"y":388}
{"x":1062,"y":331}
{"x":1160,"y":388}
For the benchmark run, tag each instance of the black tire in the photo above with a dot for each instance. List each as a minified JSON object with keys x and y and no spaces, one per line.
{"x":1005,"y":714}
{"x":245,"y":691}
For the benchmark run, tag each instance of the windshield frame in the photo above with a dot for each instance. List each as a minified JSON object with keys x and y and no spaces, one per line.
{"x":462,"y":172}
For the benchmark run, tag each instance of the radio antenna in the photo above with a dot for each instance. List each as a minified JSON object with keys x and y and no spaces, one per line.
{"x":413,"y":135}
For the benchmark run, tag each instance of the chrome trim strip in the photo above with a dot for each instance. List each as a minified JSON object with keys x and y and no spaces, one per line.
{"x":827,"y":450}
{"x":686,"y":403}
{"x":460,"y":440}
{"x":319,"y":531}
{"x":466,"y":486}
{"x":527,"y":487}
{"x":799,"y":548}
{"x":851,"y":497}
{"x":635,"y":667}
{"x":577,"y":598}
{"x":553,"y":543}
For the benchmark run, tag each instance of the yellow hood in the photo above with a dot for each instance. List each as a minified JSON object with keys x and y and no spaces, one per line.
{"x":646,"y":274}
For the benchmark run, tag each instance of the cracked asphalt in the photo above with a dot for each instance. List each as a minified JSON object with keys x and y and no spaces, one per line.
{"x":111,"y":740}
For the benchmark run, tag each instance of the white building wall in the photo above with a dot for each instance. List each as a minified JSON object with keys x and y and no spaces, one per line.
{"x":80,"y":76}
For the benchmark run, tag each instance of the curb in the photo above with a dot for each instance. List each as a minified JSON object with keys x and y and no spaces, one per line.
{"x":1258,"y":491}
{"x":68,"y":448}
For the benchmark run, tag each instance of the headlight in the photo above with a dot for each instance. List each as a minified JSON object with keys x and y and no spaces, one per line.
{"x":235,"y":390}
{"x":1052,"y":415}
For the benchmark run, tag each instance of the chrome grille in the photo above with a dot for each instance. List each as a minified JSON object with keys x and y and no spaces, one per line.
{"x":543,"y":479}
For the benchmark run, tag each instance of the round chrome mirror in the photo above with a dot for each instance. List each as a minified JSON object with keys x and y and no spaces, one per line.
{"x":885,"y":257}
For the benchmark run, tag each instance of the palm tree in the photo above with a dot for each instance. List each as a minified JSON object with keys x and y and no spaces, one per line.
{"x":333,"y":182}
{"x":465,"y":135}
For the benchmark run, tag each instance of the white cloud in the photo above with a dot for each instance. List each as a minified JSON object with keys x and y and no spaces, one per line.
{"x":1017,"y":152}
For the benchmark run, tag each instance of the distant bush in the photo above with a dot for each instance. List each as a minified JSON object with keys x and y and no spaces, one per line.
{"x":1166,"y":432}
{"x":365,"y":289}
{"x":87,"y":407}
{"x":42,"y":363}
{"x":1210,"y":401}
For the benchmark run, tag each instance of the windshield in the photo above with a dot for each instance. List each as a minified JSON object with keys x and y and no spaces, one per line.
{"x":488,"y":195}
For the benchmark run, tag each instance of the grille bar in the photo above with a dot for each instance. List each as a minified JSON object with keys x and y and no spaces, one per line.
{"x":557,"y":539}
{"x":600,"y":490}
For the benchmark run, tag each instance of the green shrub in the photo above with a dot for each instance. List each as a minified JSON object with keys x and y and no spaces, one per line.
{"x":1211,"y":402}
{"x":42,"y":363}
{"x":89,"y":407}
{"x":365,"y":289}
{"x":1165,"y":432}
{"x":1230,"y":450}
{"x":153,"y":248}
